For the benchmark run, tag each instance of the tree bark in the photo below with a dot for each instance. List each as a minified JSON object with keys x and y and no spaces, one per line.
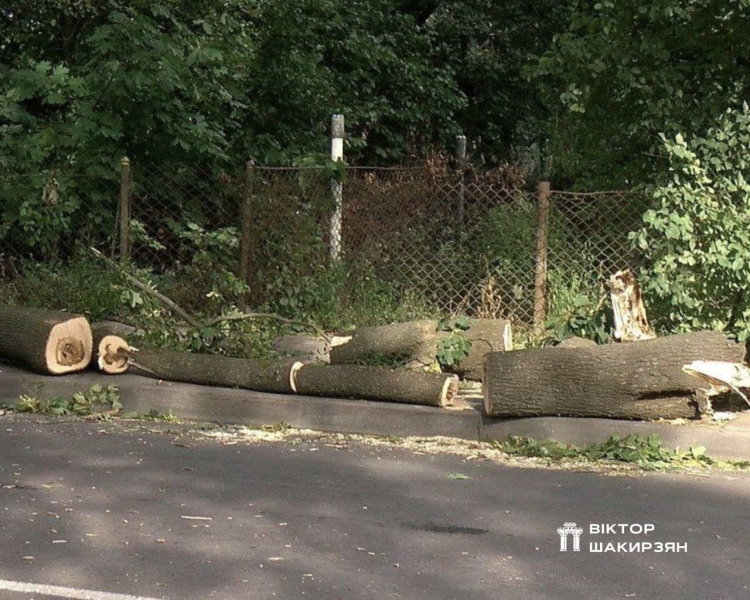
{"x":222,"y":371}
{"x":625,"y":381}
{"x":370,"y":383}
{"x":416,"y":342}
{"x":576,"y":342}
{"x":46,"y":341}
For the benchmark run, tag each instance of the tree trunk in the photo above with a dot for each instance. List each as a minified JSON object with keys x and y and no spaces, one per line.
{"x":222,"y":371}
{"x":416,"y":343}
{"x":46,"y":341}
{"x":625,"y":381}
{"x":370,"y":383}
{"x":576,"y":342}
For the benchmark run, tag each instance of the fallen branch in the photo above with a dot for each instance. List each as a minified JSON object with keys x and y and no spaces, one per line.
{"x":276,"y":376}
{"x":370,"y":383}
{"x":273,"y":316}
{"x":192,"y":321}
{"x":149,"y":290}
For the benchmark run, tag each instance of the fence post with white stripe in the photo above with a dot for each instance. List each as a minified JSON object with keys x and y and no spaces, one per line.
{"x":337,"y":154}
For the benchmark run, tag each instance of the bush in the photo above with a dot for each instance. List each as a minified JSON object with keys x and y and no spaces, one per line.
{"x":696,"y":238}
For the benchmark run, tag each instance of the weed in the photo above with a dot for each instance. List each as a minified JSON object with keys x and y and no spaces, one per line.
{"x":646,"y":453}
{"x":453,"y":349}
{"x":97,"y":400}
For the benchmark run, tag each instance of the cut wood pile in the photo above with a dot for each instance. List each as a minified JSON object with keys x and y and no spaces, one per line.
{"x":52,"y":342}
{"x":638,"y":377}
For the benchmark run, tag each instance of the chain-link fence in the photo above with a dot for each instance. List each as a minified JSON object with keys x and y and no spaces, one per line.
{"x":461,"y":241}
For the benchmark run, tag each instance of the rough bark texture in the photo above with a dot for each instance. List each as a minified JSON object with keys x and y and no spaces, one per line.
{"x":222,"y":371}
{"x":370,"y":383}
{"x":626,"y":381}
{"x":576,"y":342}
{"x":102,"y":328}
{"x":46,"y":341}
{"x":416,"y":342}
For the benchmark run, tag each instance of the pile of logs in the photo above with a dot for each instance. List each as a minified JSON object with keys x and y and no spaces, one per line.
{"x":55,"y":343}
{"x":638,"y":377}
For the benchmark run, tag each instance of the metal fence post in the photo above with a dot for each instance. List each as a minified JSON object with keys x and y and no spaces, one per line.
{"x":542,"y":237}
{"x":337,"y":154}
{"x":247,"y":219}
{"x":461,"y":165}
{"x":125,"y":211}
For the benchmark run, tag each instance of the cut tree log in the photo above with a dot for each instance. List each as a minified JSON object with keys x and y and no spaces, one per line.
{"x":625,"y":381}
{"x":416,"y":343}
{"x":275,"y":376}
{"x":631,"y":323}
{"x":371,"y":383}
{"x":46,"y":341}
{"x":576,"y":342}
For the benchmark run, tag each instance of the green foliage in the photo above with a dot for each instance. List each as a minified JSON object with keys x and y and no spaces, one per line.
{"x":695,"y":238}
{"x":646,"y":453}
{"x":83,"y":286}
{"x":613,"y":92}
{"x":97,"y":400}
{"x":453,"y":349}
{"x":576,"y":305}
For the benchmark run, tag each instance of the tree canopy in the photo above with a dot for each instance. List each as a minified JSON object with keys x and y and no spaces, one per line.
{"x":590,"y":84}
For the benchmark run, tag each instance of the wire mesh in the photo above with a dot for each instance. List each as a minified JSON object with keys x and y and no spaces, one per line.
{"x":463,"y":241}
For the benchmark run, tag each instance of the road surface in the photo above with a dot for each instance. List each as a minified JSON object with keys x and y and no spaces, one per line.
{"x":111,"y":511}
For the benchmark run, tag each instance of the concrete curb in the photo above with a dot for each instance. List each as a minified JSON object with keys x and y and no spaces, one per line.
{"x":242,"y":407}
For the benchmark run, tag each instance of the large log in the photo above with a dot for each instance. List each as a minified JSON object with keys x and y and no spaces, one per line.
{"x":274,"y":376}
{"x":416,"y":342}
{"x":370,"y":383}
{"x":625,"y":381}
{"x":46,"y":341}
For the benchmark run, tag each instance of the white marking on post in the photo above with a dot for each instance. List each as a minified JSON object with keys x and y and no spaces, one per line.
{"x":64,"y":592}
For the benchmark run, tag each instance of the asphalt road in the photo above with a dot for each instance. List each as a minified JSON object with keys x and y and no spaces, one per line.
{"x":115,"y":511}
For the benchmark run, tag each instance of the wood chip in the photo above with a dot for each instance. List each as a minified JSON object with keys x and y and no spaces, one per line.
{"x":194,"y":518}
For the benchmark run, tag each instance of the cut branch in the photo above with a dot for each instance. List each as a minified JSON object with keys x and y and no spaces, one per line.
{"x":416,"y":342}
{"x":272,"y":316}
